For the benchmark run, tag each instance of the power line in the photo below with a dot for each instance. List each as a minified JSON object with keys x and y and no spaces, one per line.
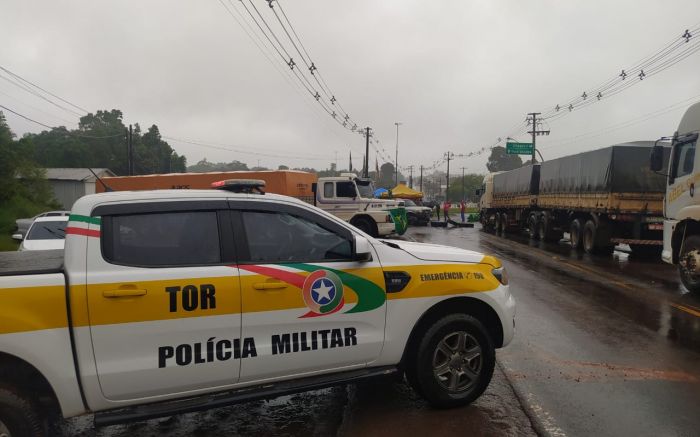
{"x":42,"y":89}
{"x":37,"y":94}
{"x":233,"y":148}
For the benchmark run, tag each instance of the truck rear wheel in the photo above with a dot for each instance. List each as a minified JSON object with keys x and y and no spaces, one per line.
{"x":504,"y":223}
{"x":532,"y":227}
{"x":591,"y":240}
{"x":576,"y":234}
{"x":689,"y":264}
{"x":18,"y":414}
{"x":455,"y":362}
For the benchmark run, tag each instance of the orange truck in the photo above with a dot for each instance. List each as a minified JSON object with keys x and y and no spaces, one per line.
{"x":345,"y":196}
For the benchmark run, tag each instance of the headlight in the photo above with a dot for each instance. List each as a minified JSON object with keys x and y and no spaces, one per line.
{"x":501,"y":275}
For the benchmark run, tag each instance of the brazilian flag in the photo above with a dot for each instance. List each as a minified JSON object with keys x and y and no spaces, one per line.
{"x":398,"y":215}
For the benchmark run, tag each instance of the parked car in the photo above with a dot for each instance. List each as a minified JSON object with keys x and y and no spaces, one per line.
{"x":417,"y":215}
{"x":23,"y":224}
{"x":46,"y":233}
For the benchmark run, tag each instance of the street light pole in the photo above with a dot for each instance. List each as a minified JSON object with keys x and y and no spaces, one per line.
{"x":396,"y":160}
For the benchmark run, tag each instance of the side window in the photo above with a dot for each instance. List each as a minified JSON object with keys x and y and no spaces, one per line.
{"x":328,"y":190}
{"x":346,"y":189}
{"x":684,"y":158}
{"x":280,"y":237}
{"x":162,"y":239}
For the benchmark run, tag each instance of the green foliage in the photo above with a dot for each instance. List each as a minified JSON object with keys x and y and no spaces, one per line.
{"x":25,"y":190}
{"x":205,"y":166}
{"x":101,"y":141}
{"x":472,"y":182}
{"x":499,"y":160}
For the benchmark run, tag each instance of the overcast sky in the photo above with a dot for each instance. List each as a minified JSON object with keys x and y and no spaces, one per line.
{"x":457,"y":74}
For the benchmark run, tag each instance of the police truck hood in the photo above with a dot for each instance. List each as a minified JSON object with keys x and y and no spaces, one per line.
{"x":436,"y":252}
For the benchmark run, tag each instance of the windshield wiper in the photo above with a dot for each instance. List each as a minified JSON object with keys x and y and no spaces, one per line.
{"x":53,"y":232}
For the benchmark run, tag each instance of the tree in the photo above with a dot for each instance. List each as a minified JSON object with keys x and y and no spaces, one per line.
{"x":205,"y":166}
{"x":386,"y":176}
{"x":282,"y":167}
{"x":499,"y":160}
{"x":472,"y":182}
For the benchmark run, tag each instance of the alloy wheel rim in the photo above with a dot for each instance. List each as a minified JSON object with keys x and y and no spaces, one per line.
{"x":457,"y":361}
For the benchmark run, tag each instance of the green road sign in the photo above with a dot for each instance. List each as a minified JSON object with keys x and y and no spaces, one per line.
{"x":519,"y":148}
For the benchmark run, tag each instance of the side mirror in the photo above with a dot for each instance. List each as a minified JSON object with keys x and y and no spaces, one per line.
{"x":363,"y":249}
{"x":656,"y":158}
{"x":18,"y":237}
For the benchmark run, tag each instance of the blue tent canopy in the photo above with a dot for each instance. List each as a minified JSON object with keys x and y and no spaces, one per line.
{"x":379,"y":191}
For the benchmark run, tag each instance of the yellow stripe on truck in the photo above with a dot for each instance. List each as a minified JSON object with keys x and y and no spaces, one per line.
{"x":44,"y":307}
{"x":32,"y":308}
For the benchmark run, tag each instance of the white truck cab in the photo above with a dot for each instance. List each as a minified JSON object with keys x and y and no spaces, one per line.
{"x":350,"y":198}
{"x":681,"y":207}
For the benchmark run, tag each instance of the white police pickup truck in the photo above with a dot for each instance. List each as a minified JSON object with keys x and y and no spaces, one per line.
{"x":175,"y":301}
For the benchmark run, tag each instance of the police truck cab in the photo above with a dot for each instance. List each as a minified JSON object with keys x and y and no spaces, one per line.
{"x":175,"y":301}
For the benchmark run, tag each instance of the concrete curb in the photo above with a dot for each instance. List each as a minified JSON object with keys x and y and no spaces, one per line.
{"x":535,"y":420}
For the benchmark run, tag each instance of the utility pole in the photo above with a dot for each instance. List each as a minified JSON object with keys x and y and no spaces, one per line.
{"x":448,"y":156}
{"x":462,"y":183}
{"x":130,"y":148}
{"x":421,"y":178}
{"x":410,"y":176}
{"x":396,"y":160}
{"x":366,"y":173}
{"x":532,"y":117}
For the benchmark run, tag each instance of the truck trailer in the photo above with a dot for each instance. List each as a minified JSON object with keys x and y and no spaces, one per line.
{"x":601,"y":198}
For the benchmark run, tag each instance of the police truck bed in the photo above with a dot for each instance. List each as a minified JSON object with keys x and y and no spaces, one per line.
{"x":31,"y":262}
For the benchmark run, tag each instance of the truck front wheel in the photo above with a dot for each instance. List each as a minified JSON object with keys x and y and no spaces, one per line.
{"x":455,"y":362}
{"x":365,"y":225}
{"x":18,"y":414}
{"x":689,"y":264}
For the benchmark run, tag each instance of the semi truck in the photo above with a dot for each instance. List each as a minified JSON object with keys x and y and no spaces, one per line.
{"x":346,"y":196}
{"x":601,"y":198}
{"x":681,"y":225}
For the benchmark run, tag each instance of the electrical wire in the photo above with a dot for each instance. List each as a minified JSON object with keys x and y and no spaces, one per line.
{"x":60,"y":129}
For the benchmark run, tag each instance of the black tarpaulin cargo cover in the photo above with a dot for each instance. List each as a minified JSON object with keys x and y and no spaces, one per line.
{"x":622,"y":168}
{"x":521,"y":181}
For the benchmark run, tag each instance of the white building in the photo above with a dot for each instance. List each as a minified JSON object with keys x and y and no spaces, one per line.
{"x":70,"y":184}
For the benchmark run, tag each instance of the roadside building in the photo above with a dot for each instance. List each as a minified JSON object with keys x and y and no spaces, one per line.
{"x":70,"y":184}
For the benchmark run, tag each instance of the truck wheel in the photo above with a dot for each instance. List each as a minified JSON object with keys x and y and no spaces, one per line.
{"x":365,"y":225}
{"x":454,"y":362}
{"x":497,"y":223}
{"x":576,"y":234}
{"x":590,"y":240}
{"x":504,"y":223}
{"x":18,"y":414}
{"x":532,"y":227}
{"x":689,"y":264}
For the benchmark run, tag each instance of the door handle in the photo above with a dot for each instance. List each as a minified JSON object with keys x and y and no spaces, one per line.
{"x":269,"y":285}
{"x":124,"y":292}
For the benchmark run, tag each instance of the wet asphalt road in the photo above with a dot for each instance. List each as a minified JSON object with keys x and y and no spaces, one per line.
{"x":604,"y":346}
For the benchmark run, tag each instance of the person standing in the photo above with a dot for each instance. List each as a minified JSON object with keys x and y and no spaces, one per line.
{"x":437,"y":210}
{"x":446,"y":209}
{"x":462,"y":207}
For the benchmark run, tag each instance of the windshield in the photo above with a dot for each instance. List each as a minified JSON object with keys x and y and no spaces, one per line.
{"x":48,"y":231}
{"x":366,"y":190}
{"x":409,"y":203}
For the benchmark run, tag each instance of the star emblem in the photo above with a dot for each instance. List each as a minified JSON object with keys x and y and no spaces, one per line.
{"x":324,"y":291}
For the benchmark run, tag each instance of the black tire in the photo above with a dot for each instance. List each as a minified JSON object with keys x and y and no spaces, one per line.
{"x":576,"y":234}
{"x":542,"y":230}
{"x":497,"y":223}
{"x":454,"y":362}
{"x":366,"y":225}
{"x":687,"y":264}
{"x":591,"y":240}
{"x":504,"y":223}
{"x":532,"y":227}
{"x":18,"y":414}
